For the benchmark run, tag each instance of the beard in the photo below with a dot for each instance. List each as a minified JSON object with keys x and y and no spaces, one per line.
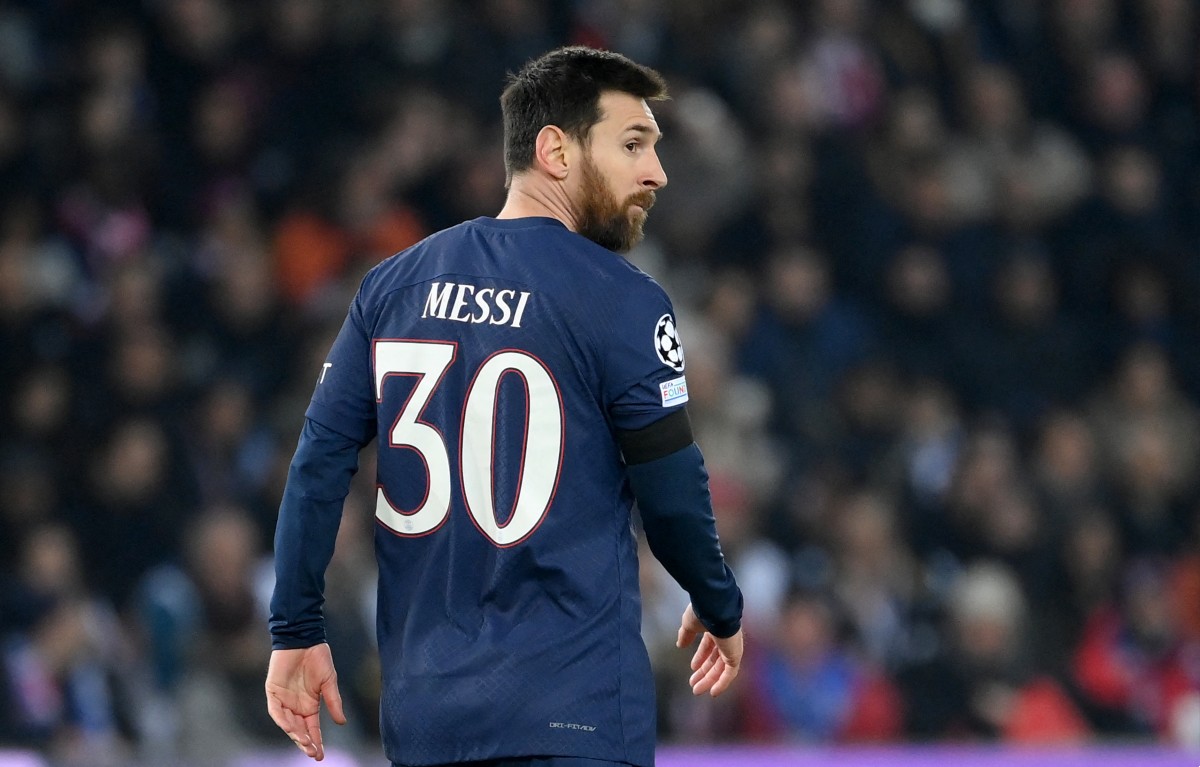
{"x":605,"y":221}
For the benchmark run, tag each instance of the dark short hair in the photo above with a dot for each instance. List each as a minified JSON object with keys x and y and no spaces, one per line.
{"x":563,"y":88}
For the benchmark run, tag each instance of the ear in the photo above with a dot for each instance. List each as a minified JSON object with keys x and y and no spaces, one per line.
{"x":552,"y":151}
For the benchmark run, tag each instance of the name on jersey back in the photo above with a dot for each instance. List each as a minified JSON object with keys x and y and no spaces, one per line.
{"x":463,"y":302}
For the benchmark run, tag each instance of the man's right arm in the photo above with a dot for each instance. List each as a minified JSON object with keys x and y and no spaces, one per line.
{"x":301,"y":672}
{"x":309,"y":516}
{"x":339,"y":421}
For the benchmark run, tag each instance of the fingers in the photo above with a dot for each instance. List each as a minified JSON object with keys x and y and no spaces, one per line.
{"x":295,"y":727}
{"x":689,"y":628}
{"x":333,"y":699}
{"x":706,"y":676}
{"x":712,"y":672}
{"x":714,"y":677}
{"x":312,"y":728}
{"x":310,"y":747}
{"x":705,"y":650}
{"x":282,"y":717}
{"x":685,"y":637}
{"x":700,"y":677}
{"x":687,"y":632}
{"x":313,"y":743}
{"x":704,"y":662}
{"x":297,"y":681}
{"x":728,"y":674}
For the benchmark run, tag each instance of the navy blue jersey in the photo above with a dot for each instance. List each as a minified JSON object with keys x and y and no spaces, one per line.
{"x":495,"y":362}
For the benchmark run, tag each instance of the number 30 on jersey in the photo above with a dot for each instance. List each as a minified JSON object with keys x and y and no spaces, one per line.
{"x":541,"y":452}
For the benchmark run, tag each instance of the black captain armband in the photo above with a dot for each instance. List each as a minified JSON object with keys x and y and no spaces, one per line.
{"x":661,"y":438}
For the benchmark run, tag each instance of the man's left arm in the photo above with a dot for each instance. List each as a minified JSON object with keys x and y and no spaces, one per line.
{"x":309,"y":515}
{"x":339,"y":421}
{"x":667,"y":475}
{"x":301,"y":672}
{"x":668,"y":478}
{"x":643,"y":363}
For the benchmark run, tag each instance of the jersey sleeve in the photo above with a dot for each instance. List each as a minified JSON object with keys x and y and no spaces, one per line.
{"x":305,"y":533}
{"x":344,"y":397}
{"x":644,"y":361}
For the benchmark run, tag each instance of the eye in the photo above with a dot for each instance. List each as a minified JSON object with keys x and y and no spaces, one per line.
{"x":632,"y":146}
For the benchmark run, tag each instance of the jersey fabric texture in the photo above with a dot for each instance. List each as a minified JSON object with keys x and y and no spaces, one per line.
{"x":495,"y":362}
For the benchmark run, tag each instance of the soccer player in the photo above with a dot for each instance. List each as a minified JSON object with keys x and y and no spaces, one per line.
{"x":526,"y":384}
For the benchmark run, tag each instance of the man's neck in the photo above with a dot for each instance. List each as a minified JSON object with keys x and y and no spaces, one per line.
{"x":526,"y":199}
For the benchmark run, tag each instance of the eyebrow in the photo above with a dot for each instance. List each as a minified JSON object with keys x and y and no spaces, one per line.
{"x":646,"y":129}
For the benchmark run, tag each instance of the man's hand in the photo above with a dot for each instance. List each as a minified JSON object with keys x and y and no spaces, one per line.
{"x":716,"y":662}
{"x":297,"y":680}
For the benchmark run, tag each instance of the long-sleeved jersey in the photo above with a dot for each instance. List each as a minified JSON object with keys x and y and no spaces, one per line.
{"x":498,"y":363}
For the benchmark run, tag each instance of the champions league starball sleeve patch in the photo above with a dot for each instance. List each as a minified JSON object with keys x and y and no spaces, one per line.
{"x":667,"y":344}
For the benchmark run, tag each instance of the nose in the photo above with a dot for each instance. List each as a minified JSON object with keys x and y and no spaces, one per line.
{"x":656,"y":177}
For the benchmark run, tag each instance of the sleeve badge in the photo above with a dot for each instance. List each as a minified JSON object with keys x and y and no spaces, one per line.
{"x":667,"y":344}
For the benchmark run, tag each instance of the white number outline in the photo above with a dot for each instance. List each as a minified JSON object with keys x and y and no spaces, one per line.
{"x":416,"y":523}
{"x":429,"y":361}
{"x":483,"y":511}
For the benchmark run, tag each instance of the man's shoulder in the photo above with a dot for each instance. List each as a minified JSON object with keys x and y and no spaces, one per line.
{"x":406,"y":266}
{"x":438,"y":240}
{"x":609,"y":275}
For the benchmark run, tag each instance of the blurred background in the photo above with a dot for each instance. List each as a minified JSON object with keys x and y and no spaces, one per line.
{"x":937,"y":266}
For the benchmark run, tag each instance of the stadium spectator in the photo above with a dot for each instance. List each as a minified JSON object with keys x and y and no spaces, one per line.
{"x":980,"y":685}
{"x":808,"y":687}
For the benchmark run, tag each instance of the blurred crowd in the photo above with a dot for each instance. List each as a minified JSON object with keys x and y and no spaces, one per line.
{"x":937,"y":266}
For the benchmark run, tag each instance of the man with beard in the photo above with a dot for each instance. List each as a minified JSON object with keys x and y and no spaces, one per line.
{"x":526,"y":385}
